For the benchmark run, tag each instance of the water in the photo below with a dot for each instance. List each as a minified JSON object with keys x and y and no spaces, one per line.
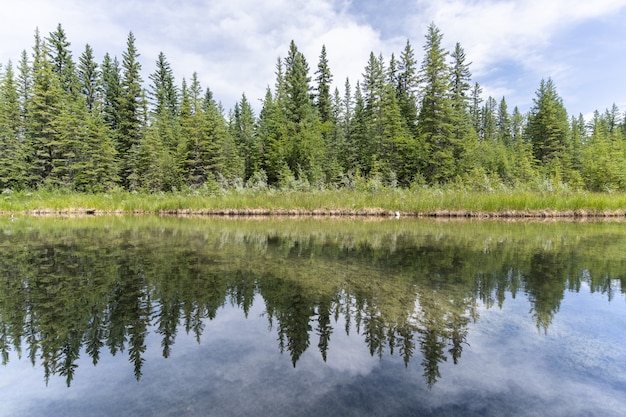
{"x":148,"y":316}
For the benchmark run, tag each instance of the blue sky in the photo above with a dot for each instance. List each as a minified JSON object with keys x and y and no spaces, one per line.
{"x":233,"y":45}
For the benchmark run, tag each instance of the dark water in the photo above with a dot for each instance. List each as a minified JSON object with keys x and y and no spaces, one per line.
{"x":146,"y":316}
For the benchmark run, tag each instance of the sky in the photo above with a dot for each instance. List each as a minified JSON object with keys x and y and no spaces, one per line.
{"x":234,"y":45}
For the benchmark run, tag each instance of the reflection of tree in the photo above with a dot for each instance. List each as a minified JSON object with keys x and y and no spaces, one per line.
{"x":286,"y":303}
{"x":324,"y":328}
{"x":545,"y":285}
{"x":89,"y":289}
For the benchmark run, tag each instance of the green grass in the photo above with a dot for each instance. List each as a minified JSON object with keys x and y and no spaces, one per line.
{"x":425,"y":201}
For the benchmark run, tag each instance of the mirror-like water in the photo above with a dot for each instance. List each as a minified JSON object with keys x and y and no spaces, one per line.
{"x":147,"y":316}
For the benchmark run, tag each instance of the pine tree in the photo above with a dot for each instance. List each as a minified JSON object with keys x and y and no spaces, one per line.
{"x":408,"y":84}
{"x":89,"y":78}
{"x":503,"y":124}
{"x":603,"y":158}
{"x":24,"y":88}
{"x":370,"y":145}
{"x":272,"y":137}
{"x":488,"y":123}
{"x":204,"y":138}
{"x":476,"y":107}
{"x":163,"y":90}
{"x":464,"y":137}
{"x":62,"y":61}
{"x":130,"y":114}
{"x":243,"y":128}
{"x":305,"y":146}
{"x":358,"y":135}
{"x":43,"y":111}
{"x":12,"y":147}
{"x":112,"y":91}
{"x":435,"y":126}
{"x":548,"y":126}
{"x":324,"y":79}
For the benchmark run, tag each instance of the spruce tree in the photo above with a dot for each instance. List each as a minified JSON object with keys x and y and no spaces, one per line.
{"x":43,"y":111}
{"x":61,"y":59}
{"x":130,"y":114}
{"x":12,"y":147}
{"x":163,"y":91}
{"x":111,"y":94}
{"x":243,"y":129}
{"x":548,"y":126}
{"x":272,"y":134}
{"x":89,"y":78}
{"x":24,"y":87}
{"x":305,"y":146}
{"x":324,"y":79}
{"x":464,"y":138}
{"x":407,"y":87}
{"x":435,"y":126}
{"x":503,"y":124}
{"x":370,"y":145}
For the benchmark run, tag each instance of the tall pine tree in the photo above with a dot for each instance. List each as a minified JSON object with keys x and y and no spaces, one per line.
{"x":435,"y":121}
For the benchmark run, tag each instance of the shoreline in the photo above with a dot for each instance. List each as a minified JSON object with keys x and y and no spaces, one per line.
{"x":371,"y":212}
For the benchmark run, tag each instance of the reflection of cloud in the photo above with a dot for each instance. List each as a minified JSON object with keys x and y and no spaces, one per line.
{"x":346,"y":354}
{"x":503,"y":362}
{"x":509,"y":368}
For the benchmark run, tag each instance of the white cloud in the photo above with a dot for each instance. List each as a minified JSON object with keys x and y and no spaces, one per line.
{"x":493,"y":30}
{"x":233,"y":45}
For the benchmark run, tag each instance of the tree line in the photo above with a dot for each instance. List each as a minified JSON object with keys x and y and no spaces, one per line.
{"x":96,"y":127}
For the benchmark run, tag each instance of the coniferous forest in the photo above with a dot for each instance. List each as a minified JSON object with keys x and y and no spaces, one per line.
{"x":77,"y":124}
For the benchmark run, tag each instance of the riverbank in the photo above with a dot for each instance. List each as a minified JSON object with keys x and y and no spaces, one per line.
{"x":385,"y":202}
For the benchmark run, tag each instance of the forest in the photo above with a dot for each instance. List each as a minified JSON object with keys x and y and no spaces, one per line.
{"x":94,"y":127}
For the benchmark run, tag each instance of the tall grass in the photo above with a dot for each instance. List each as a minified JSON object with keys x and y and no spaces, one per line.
{"x":423,"y":201}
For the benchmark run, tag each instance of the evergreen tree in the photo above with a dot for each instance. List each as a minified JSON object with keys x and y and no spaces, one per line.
{"x":89,"y":78}
{"x":503,"y":124}
{"x":464,"y":136}
{"x":243,"y":128}
{"x":407,"y":86}
{"x":12,"y":147}
{"x":476,"y":107}
{"x":305,"y":147}
{"x":112,"y":91}
{"x":517,"y":125}
{"x":358,"y":135}
{"x":130,"y":114}
{"x":61,"y":59}
{"x":43,"y":111}
{"x":371,"y":146}
{"x":163,"y":90}
{"x":435,"y":126}
{"x":324,"y":79}
{"x":579,"y":140}
{"x":548,"y":127}
{"x":488,"y":123}
{"x":335,"y":142}
{"x":271,"y":132}
{"x":24,"y":88}
{"x":604,"y":157}
{"x":204,"y":134}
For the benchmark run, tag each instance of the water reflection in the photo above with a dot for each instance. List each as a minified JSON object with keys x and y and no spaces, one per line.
{"x":409,"y":288}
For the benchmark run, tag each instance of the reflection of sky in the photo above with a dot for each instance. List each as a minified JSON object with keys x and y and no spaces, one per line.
{"x":509,"y":368}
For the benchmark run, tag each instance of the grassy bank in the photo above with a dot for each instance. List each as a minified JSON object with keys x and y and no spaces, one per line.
{"x":423,"y":202}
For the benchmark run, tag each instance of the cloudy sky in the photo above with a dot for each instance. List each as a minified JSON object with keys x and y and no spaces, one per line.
{"x":233,"y":45}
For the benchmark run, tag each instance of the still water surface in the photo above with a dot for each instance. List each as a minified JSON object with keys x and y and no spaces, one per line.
{"x":147,"y":316}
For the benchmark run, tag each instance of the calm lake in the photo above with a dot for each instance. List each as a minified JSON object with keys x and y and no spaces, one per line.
{"x":153,"y":316}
